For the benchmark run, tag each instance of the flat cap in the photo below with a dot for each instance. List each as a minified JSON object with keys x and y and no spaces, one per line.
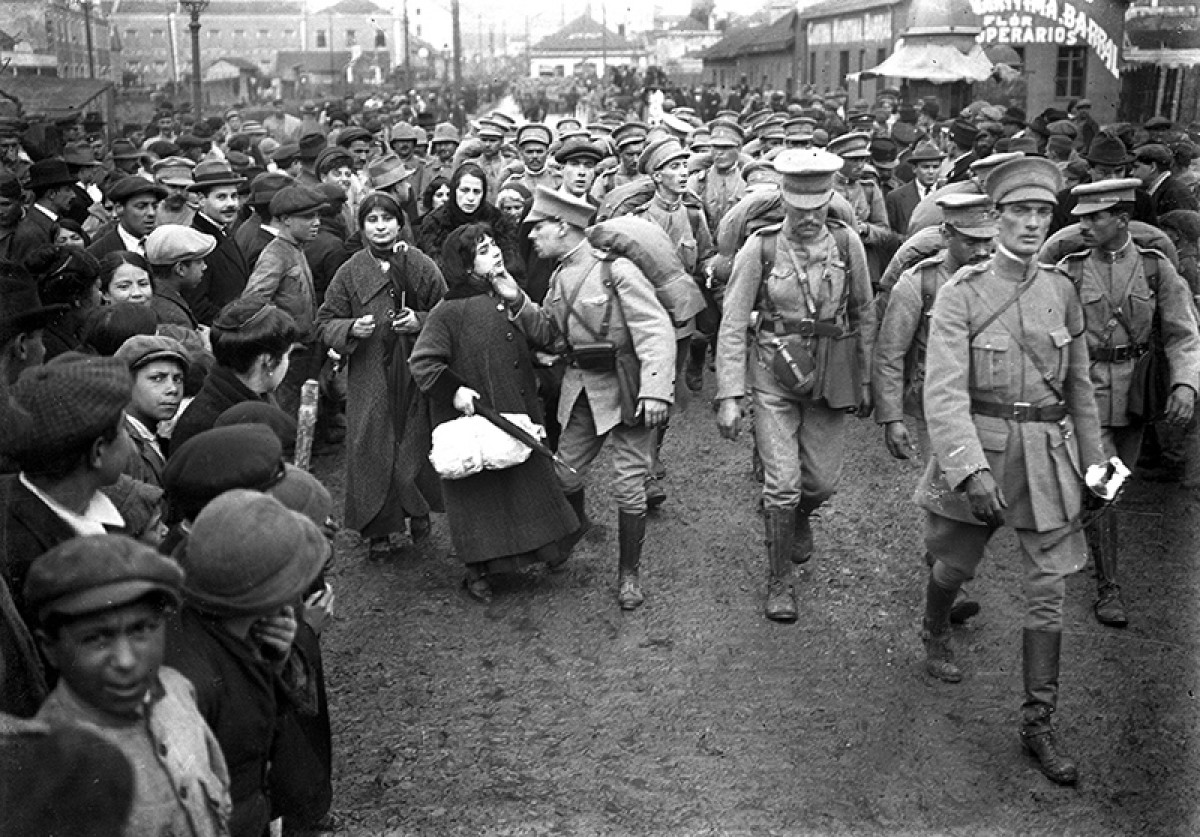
{"x":174,"y":243}
{"x":535,"y":132}
{"x":1063,"y":127}
{"x":266,"y":185}
{"x":216,"y":460}
{"x":659,"y":153}
{"x":1184,"y":221}
{"x":186,"y":141}
{"x":130,"y":187}
{"x":174,"y":171}
{"x":286,"y":154}
{"x":1024,"y":179}
{"x":970,"y":214}
{"x":249,"y":555}
{"x":1158,"y":123}
{"x":963,"y":133}
{"x":353,"y":134}
{"x":807,"y":176}
{"x":96,"y":573}
{"x":280,"y":423}
{"x":560,"y":206}
{"x":332,"y":157}
{"x":884,"y":151}
{"x":1104,"y":194}
{"x":69,"y":401}
{"x":296,"y":200}
{"x":579,"y":149}
{"x":852,"y":146}
{"x":1154,"y":153}
{"x":144,"y":349}
{"x":123,"y":149}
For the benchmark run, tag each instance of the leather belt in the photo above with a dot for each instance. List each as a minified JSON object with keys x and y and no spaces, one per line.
{"x":1120,"y":354}
{"x":803,"y":328}
{"x":1020,"y":411}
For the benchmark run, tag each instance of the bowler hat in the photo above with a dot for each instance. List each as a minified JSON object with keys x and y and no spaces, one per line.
{"x":48,"y":173}
{"x":123,"y":149}
{"x":96,"y":573}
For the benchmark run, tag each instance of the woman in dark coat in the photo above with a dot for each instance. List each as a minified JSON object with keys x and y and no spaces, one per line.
{"x":468,"y":204}
{"x":68,"y":276}
{"x":374,"y":309}
{"x":499,"y":520}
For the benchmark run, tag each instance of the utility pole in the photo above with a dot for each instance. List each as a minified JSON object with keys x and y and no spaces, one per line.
{"x":457,"y":45}
{"x":408,"y":83}
{"x":87,"y":30}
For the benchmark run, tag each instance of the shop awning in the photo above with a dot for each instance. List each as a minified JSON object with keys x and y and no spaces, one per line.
{"x":1172,"y":58}
{"x":937,"y":63}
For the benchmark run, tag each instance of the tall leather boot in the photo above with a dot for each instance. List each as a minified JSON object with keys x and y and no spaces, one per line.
{"x":576,"y":500}
{"x":631,"y":533}
{"x":1102,"y":544}
{"x":693,"y":376}
{"x":802,"y":543}
{"x":781,"y":597}
{"x":1041,"y":654}
{"x":935,"y":633}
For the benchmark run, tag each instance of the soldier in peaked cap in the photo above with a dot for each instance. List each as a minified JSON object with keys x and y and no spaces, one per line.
{"x":591,"y":407}
{"x":533,"y":144}
{"x":807,"y":363}
{"x":1133,"y":299}
{"x":1107,"y":159}
{"x":485,"y":150}
{"x":1007,"y":397}
{"x":629,"y":140}
{"x":866,"y":196}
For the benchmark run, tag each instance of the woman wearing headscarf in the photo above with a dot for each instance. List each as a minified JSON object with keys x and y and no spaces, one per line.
{"x":468,"y":204}
{"x":506,"y":519}
{"x":374,"y":310}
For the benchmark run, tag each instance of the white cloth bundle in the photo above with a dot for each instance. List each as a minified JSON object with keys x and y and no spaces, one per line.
{"x":470,"y":444}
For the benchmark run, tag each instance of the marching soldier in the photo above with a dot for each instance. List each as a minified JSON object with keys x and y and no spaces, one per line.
{"x":1011,"y":414}
{"x":533,"y":144}
{"x":600,"y":312}
{"x":809,"y":358}
{"x":630,"y":141}
{"x":1133,"y":299}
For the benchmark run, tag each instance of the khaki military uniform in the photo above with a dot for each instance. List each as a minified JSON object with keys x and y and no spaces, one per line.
{"x":718,"y":192}
{"x":589,"y":408}
{"x":799,"y":439}
{"x":1038,"y":452}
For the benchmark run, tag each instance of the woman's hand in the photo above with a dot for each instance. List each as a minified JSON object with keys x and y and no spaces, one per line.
{"x":363,"y":327}
{"x":406,"y":322}
{"x":505,"y":286}
{"x":464,"y":400}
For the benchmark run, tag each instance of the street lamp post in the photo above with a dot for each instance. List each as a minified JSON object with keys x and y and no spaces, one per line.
{"x":194,"y":8}
{"x":87,"y":32}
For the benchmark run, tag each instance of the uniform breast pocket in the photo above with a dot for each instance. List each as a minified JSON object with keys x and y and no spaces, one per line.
{"x":1141,"y":313}
{"x":989,"y":361}
{"x":1061,"y":338}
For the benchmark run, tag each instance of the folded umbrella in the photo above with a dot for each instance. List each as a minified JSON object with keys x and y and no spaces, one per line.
{"x":521,"y":435}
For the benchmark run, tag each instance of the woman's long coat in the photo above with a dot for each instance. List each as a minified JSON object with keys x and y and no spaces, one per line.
{"x":470,"y":341}
{"x":373,"y":456}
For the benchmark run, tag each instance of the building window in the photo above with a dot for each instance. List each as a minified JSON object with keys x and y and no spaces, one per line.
{"x":264,"y":33}
{"x":843,"y":66}
{"x":1070,"y":72}
{"x":880,"y":56}
{"x":351,"y":37}
{"x":289,"y":33}
{"x":380,"y":39}
{"x":322,"y":42}
{"x":213,"y":33}
{"x":812,"y":68}
{"x":130,"y":34}
{"x":156,"y":34}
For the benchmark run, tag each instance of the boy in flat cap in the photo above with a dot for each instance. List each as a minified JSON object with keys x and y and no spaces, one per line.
{"x":1133,"y":300}
{"x":595,"y":405}
{"x":283,"y":277}
{"x":178,"y":258}
{"x":66,"y":434}
{"x":1013,"y":425}
{"x":101,"y":604}
{"x":158,"y":365}
{"x":809,"y":284}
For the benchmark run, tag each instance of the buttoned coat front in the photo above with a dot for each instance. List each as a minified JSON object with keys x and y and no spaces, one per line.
{"x":1037,"y":465}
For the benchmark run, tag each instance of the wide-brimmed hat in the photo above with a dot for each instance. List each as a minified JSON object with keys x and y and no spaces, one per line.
{"x":387,"y":171}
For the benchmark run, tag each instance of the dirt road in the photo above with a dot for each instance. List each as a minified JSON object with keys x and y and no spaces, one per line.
{"x":550,"y":712}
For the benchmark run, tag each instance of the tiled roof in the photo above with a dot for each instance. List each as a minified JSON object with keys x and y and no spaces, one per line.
{"x":779,"y":36}
{"x":584,"y":34}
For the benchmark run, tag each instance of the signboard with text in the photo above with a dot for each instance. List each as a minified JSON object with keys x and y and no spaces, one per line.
{"x":1093,"y":23}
